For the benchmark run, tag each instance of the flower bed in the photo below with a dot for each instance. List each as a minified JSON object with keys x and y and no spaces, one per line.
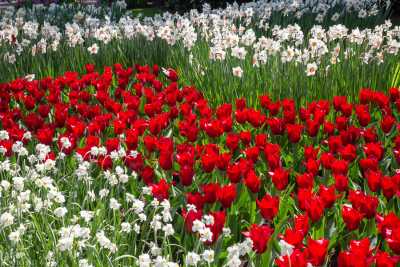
{"x":298,"y":49}
{"x":125,"y":167}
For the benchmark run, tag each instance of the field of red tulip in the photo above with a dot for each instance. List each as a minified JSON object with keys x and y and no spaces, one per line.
{"x":130,"y":167}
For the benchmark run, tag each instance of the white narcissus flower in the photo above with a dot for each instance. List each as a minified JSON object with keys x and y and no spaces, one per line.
{"x":137,"y":206}
{"x":65,"y":244}
{"x":30,"y":77}
{"x":168,"y":229}
{"x":192,"y":259}
{"x":144,"y":260}
{"x":114,"y":205}
{"x":237,"y":71}
{"x":311,"y":69}
{"x":136,"y":228}
{"x":206,"y":235}
{"x":197,"y":226}
{"x":208,"y":256}
{"x":6,"y":219}
{"x":142,"y":217}
{"x":18,"y":183}
{"x":146,"y":190}
{"x":246,"y":246}
{"x":105,"y":242}
{"x":239,"y":52}
{"x":234,"y":262}
{"x":27,"y":135}
{"x":14,"y":237}
{"x":103,"y":193}
{"x":126,"y":227}
{"x":60,"y":212}
{"x":86,"y":215}
{"x":65,"y":142}
{"x":93,"y":49}
{"x":5,"y":184}
{"x":155,"y":250}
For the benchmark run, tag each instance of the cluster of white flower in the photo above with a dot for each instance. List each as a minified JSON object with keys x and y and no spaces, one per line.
{"x":105,"y":242}
{"x":70,"y":234}
{"x":237,"y":250}
{"x":193,"y":259}
{"x":145,"y":260}
{"x":202,"y":228}
{"x":230,"y":31}
{"x":32,"y":192}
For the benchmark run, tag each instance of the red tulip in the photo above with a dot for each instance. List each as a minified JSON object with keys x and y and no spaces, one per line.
{"x":260,"y":235}
{"x":160,"y":190}
{"x":261,"y":140}
{"x":327,"y":159}
{"x":301,"y":224}
{"x":394,"y":94}
{"x":195,"y":199}
{"x":363,"y":115}
{"x":374,"y":180}
{"x":340,"y":167}
{"x":234,"y":173}
{"x":389,"y":187}
{"x":327,"y":195}
{"x":315,"y":208}
{"x":294,"y":237}
{"x":245,"y":137}
{"x":387,"y":123}
{"x":210,"y":192}
{"x":348,"y":152}
{"x":208,"y":162}
{"x":171,"y":74}
{"x":112,"y":144}
{"x":186,"y":174}
{"x":252,"y":181}
{"x":264,"y":101}
{"x":393,"y":240}
{"x":365,"y":204}
{"x":223,"y":161}
{"x":312,"y":127}
{"x":374,"y":151}
{"x":317,"y":250}
{"x":226,"y":195}
{"x":368,"y":164}
{"x":351,"y":217}
{"x":232,"y":141}
{"x":269,"y":206}
{"x":277,"y":126}
{"x":383,"y":259}
{"x":310,"y":152}
{"x":294,"y":132}
{"x":147,"y":175}
{"x":312,"y":166}
{"x":298,"y":258}
{"x":338,"y":101}
{"x":305,"y":180}
{"x":252,"y":153}
{"x":280,"y":178}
